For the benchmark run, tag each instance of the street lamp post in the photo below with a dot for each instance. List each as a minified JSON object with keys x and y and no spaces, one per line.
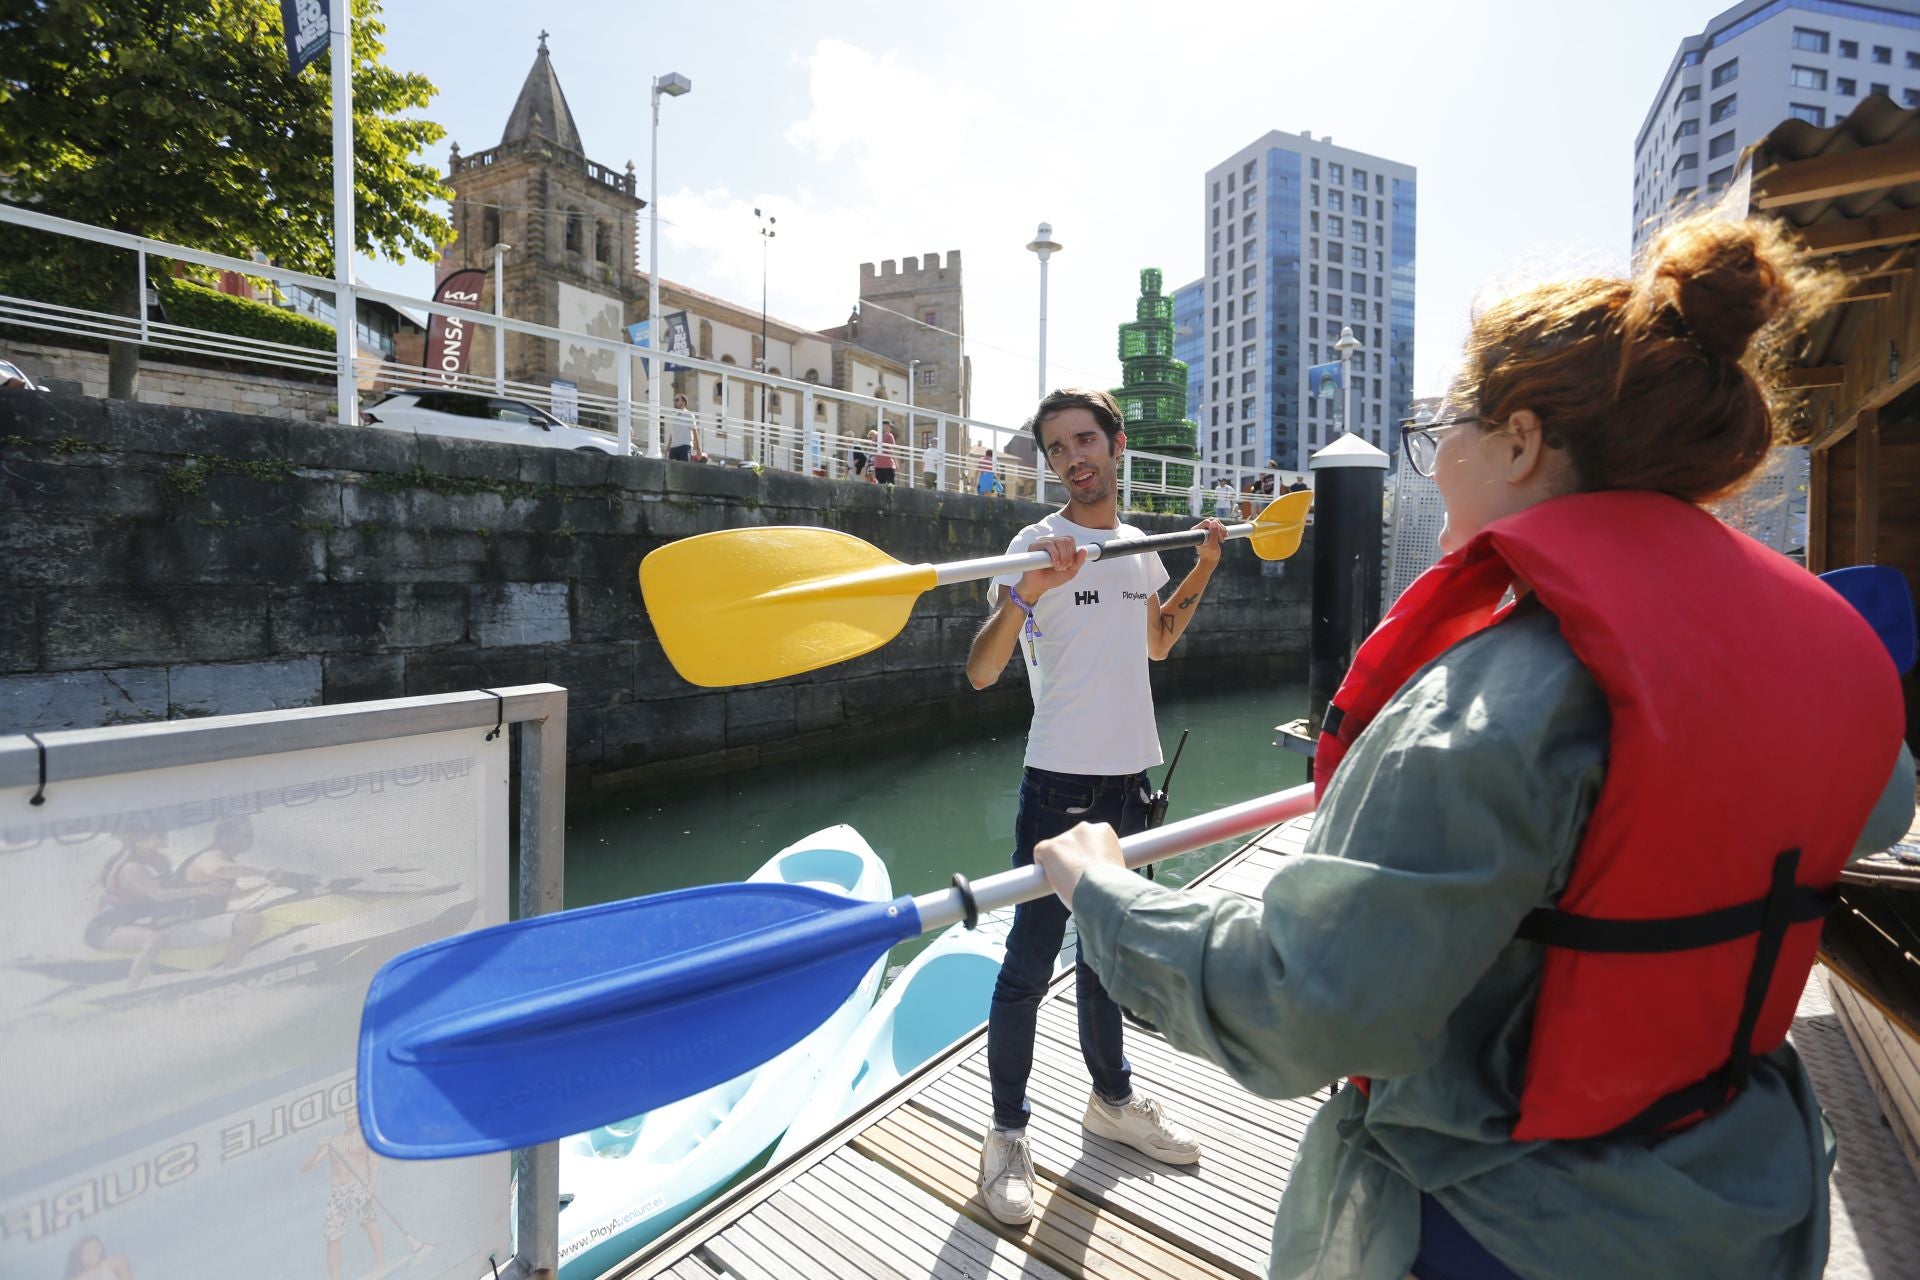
{"x":767,"y":233}
{"x":1045,"y":246}
{"x":499,"y":310}
{"x":672,"y":85}
{"x":1346,"y":346}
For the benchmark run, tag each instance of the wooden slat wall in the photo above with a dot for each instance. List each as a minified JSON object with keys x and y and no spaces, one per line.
{"x":1889,"y":325}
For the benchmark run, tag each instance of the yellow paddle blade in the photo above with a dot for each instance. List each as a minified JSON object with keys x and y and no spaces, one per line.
{"x":742,"y":605}
{"x":1276,"y":530}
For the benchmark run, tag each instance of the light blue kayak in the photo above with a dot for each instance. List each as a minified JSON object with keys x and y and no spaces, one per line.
{"x":941,"y":996}
{"x":631,"y":1181}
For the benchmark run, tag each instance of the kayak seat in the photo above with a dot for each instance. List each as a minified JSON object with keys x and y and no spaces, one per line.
{"x":954,"y":994}
{"x":830,"y":869}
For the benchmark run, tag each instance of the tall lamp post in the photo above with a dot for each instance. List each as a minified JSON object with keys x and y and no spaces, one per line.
{"x":1045,"y":246}
{"x":767,"y":233}
{"x":499,"y":310}
{"x":672,"y":85}
{"x":1346,"y":346}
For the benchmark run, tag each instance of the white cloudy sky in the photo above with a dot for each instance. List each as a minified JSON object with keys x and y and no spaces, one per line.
{"x":880,"y":130}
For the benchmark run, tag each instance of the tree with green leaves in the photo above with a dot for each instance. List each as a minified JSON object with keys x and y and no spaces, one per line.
{"x":177,"y":119}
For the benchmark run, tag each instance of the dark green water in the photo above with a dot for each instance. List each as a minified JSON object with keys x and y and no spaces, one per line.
{"x":929,"y":805}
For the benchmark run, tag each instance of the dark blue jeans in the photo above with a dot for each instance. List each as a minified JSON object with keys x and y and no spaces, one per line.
{"x":1051,"y":804}
{"x":1447,"y":1252}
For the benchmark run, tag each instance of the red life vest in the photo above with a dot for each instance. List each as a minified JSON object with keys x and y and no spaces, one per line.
{"x":1755,"y":718}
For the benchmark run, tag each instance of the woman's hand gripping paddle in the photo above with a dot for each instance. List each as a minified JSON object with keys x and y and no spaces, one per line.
{"x":742,"y":605}
{"x":529,"y":1031}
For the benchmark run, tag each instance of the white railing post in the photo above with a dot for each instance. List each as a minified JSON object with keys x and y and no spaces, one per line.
{"x":763,"y":438}
{"x":625,"y":414}
{"x":140,"y":292}
{"x":345,"y":313}
{"x":808,"y":458}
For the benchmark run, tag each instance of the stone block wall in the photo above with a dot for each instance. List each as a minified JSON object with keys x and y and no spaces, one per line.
{"x":269,"y":395}
{"x":160,"y":562}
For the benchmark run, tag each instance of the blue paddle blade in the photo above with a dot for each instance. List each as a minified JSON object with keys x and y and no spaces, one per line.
{"x":529,"y":1031}
{"x":1881,"y":594}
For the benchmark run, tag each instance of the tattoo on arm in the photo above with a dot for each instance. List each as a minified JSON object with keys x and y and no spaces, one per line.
{"x":1188,"y":602}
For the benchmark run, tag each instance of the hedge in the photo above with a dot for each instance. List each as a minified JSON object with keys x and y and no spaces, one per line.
{"x":199,"y":307}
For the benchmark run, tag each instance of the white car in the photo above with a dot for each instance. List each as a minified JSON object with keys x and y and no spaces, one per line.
{"x":12,"y":377}
{"x":472,"y":416}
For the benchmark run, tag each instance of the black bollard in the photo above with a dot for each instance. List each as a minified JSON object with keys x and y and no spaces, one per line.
{"x":1349,"y":478}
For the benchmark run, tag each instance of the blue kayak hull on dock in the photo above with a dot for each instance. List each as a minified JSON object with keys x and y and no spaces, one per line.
{"x":941,"y":996}
{"x":632,"y":1181}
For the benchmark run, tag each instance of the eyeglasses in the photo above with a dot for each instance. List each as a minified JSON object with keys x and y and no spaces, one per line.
{"x":1423,"y":442}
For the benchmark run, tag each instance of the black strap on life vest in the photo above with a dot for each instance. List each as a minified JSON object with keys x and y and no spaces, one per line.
{"x":1786,"y":904}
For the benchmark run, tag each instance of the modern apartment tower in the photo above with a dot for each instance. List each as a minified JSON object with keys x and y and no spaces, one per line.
{"x":1755,"y":65}
{"x":1303,"y":238}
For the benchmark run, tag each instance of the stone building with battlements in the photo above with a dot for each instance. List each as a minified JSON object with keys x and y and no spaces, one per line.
{"x":915,"y":312}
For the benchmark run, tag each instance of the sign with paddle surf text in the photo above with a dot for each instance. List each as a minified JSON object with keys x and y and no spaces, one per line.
{"x":183,"y":957}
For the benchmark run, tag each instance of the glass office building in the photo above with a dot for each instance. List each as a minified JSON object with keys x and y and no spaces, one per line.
{"x":1303,"y":239}
{"x":1190,"y":339}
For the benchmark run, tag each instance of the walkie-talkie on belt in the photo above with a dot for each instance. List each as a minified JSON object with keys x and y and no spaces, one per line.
{"x":1157,"y":806}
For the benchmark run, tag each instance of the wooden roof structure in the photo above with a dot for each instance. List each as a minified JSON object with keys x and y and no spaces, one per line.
{"x":1852,"y":191}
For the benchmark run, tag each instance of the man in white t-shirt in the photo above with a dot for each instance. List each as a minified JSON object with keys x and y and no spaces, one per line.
{"x":1085,"y":632}
{"x":683,"y":431}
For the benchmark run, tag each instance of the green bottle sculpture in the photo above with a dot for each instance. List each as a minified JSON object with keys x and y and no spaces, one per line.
{"x":1154,"y":398}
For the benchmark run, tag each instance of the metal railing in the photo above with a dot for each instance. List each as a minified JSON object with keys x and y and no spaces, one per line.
{"x":796,"y":436}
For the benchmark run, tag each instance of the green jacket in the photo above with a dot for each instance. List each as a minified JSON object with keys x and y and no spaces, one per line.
{"x":1386,"y":949}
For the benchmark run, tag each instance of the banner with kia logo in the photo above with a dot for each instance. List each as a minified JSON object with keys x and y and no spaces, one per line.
{"x":449,"y":334}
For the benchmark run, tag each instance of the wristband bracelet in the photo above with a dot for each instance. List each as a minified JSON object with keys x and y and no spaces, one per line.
{"x":1033,"y":631}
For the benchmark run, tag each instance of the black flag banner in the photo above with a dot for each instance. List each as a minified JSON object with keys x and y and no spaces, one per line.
{"x":306,"y":24}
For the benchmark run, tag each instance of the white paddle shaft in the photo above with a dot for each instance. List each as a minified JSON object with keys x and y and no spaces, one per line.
{"x":1023,"y":884}
{"x":1021,"y":561}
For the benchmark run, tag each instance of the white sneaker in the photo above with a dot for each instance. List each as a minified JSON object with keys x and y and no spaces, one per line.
{"x":1006,"y":1176}
{"x":1141,"y":1124}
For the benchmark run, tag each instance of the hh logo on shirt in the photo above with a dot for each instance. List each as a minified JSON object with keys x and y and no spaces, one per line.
{"x":1086,"y":597}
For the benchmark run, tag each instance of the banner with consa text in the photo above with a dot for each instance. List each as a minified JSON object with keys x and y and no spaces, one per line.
{"x":449,"y":334}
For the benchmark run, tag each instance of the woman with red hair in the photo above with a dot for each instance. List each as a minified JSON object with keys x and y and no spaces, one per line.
{"x":1565,"y":883}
